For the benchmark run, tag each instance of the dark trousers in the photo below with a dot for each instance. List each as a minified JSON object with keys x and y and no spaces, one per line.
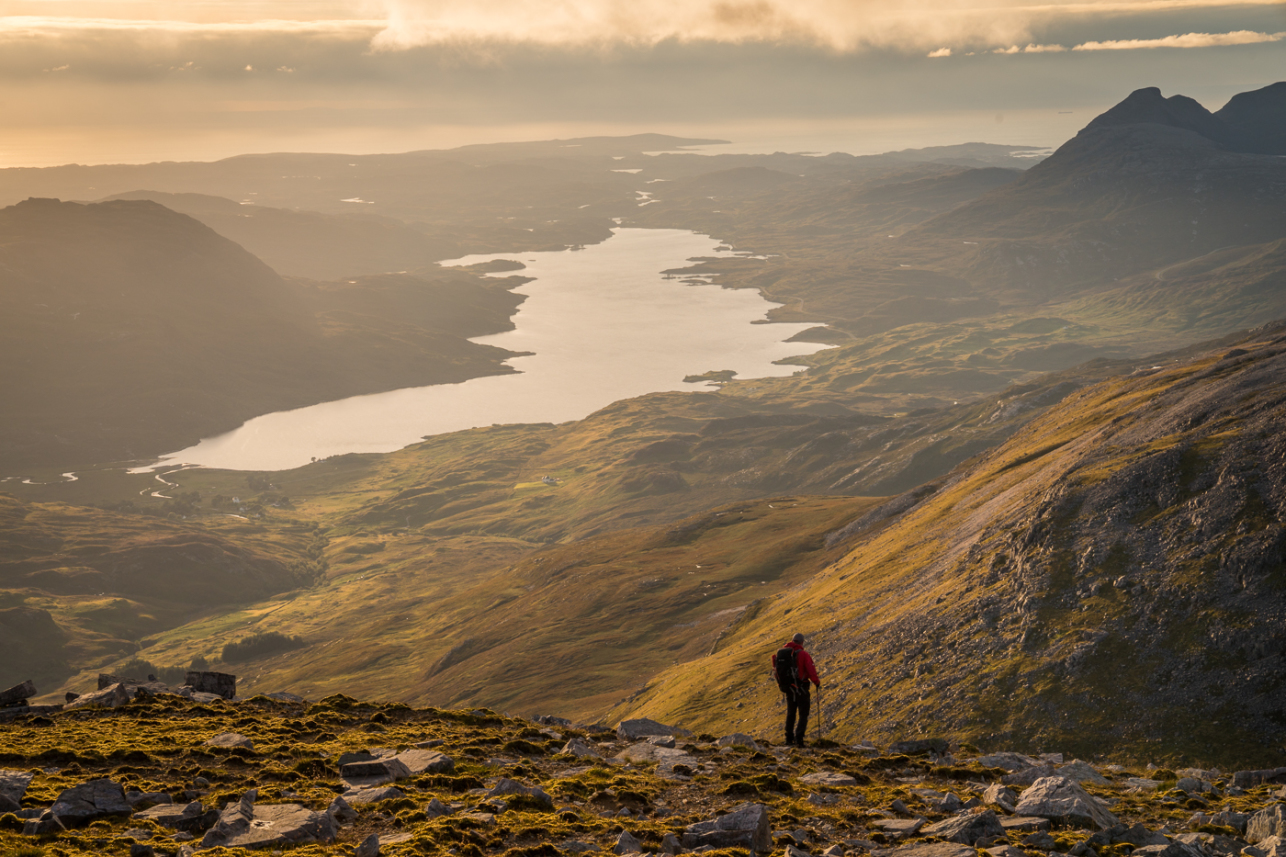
{"x":797,"y":703}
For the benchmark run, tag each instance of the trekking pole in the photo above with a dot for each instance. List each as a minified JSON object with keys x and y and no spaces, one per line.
{"x":817,"y":724}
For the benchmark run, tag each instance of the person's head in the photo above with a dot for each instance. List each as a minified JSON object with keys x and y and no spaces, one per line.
{"x":799,"y":638}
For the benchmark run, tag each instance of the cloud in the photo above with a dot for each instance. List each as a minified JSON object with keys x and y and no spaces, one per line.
{"x":940,"y":52}
{"x":838,"y":25}
{"x":1188,"y":40}
{"x":32,"y":26}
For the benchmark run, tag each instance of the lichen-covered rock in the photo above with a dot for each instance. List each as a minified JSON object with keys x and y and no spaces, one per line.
{"x":1001,"y":796}
{"x":626,"y":843}
{"x":1063,"y":799}
{"x":739,"y":739}
{"x":356,"y":797}
{"x":193,"y":818}
{"x":1172,"y":849}
{"x":245,"y":825}
{"x":375,"y":770}
{"x":745,"y":826}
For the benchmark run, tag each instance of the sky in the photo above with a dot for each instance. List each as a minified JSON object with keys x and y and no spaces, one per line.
{"x":132,"y":81}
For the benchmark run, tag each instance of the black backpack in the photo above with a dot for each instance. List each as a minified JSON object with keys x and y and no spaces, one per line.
{"x":787,"y":669}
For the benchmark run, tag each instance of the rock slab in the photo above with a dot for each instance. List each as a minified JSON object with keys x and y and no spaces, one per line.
{"x":245,"y":825}
{"x":967,"y":828}
{"x":642,"y":728}
{"x":220,"y":684}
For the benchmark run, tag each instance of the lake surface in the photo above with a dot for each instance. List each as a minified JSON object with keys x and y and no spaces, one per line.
{"x":603,"y":323}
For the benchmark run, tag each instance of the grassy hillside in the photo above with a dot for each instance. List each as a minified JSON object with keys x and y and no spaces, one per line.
{"x":1112,"y":576}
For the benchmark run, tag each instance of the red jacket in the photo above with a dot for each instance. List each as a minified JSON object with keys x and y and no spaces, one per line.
{"x":803,"y":662}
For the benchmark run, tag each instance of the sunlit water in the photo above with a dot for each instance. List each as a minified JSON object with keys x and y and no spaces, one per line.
{"x":603,"y":323}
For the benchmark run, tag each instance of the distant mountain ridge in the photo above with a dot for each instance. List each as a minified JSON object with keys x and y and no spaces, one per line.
{"x":1251,"y":122}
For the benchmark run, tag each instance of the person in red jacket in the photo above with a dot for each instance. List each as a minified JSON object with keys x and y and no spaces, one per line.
{"x":796,"y":688}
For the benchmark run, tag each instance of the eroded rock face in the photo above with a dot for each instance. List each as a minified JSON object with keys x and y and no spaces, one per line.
{"x":1269,"y":821}
{"x":745,"y":826}
{"x":246,"y":825}
{"x":1063,"y":799}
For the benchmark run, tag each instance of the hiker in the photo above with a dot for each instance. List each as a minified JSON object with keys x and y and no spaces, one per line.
{"x":793,"y":668}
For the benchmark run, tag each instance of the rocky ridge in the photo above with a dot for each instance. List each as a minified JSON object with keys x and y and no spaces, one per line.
{"x":159,"y":777}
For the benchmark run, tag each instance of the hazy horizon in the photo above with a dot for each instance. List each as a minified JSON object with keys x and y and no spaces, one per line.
{"x":91,"y":82}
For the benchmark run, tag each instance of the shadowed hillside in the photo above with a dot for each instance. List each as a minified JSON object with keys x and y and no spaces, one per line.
{"x":131,"y":330}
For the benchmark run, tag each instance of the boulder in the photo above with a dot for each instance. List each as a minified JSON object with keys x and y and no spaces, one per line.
{"x":193,"y":818}
{"x":667,"y":759}
{"x":1249,"y":779}
{"x":375,"y":770}
{"x":827,"y":778}
{"x":1001,"y":796}
{"x":219,"y":684}
{"x":1081,"y":772}
{"x":507,"y":787}
{"x":436,"y":809}
{"x":113,"y":696}
{"x":230,"y":740}
{"x":1061,"y":799}
{"x":1141,"y":784}
{"x":8,"y":804}
{"x":1008,"y":761}
{"x":1227,"y":818}
{"x":745,"y":826}
{"x":1208,"y":843}
{"x":17,"y":695}
{"x":581,"y":749}
{"x":626,"y":843}
{"x":95,"y":799}
{"x":1273,"y":846}
{"x":919,"y":747}
{"x":1269,"y":821}
{"x":634,"y":730}
{"x":369,"y":847}
{"x":666,"y":741}
{"x":739,"y":739}
{"x":1193,"y":786}
{"x":245,"y":825}
{"x":670,"y":844}
{"x":967,"y":828}
{"x":422,"y":761}
{"x":13,"y":784}
{"x":1137,"y":835}
{"x":341,"y":811}
{"x":355,"y":797}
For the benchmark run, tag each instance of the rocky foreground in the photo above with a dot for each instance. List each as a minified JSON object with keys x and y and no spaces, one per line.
{"x":164,"y":774}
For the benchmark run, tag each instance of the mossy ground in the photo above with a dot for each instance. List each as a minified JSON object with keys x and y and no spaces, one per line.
{"x":158,"y":746}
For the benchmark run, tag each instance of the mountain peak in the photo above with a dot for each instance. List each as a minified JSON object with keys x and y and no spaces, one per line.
{"x":1252,"y":122}
{"x":1150,"y":106}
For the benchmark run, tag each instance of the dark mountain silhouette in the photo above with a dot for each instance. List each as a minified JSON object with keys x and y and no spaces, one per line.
{"x":129,"y":330}
{"x":1261,"y":114}
{"x":1253,"y":122}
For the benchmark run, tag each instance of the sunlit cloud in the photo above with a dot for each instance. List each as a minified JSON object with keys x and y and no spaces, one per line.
{"x":1188,"y":40}
{"x":838,"y":25}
